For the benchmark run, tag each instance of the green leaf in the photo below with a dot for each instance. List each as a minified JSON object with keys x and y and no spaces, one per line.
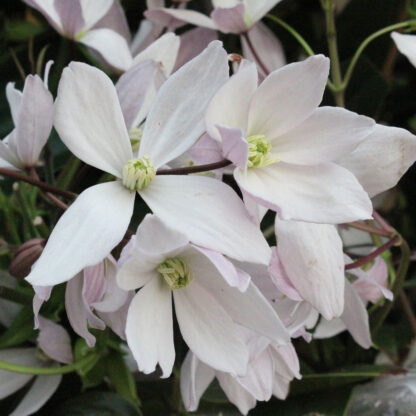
{"x":20,"y":330}
{"x":121,"y":377}
{"x":97,"y":404}
{"x":21,"y":30}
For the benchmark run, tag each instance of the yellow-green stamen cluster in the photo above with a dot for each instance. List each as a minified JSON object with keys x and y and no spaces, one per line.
{"x":258,"y":151}
{"x":138,"y":173}
{"x":176,"y":273}
{"x":135,"y":135}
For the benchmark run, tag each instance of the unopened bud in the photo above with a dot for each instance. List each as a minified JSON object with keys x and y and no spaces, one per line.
{"x":26,"y":256}
{"x":235,"y":57}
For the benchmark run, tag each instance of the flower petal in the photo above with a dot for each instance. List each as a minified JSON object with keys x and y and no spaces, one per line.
{"x":175,"y":121}
{"x":288,"y":96}
{"x":35,"y":120}
{"x":70,"y":15}
{"x":323,"y":193}
{"x":195,"y":379}
{"x":209,"y":331}
{"x":314,"y":262}
{"x":209,"y":213}
{"x":164,"y":15}
{"x":14,"y":98}
{"x":47,"y":8}
{"x":115,"y":19}
{"x":382,"y":158}
{"x":234,"y":145}
{"x":230,"y":19}
{"x":257,"y":9}
{"x":93,"y":11}
{"x":268,"y":49}
{"x":89,"y":119}
{"x":85,"y":234}
{"x":149,"y":328}
{"x":406,"y":44}
{"x":230,"y":104}
{"x":111,"y":46}
{"x":39,"y":393}
{"x":328,"y":134}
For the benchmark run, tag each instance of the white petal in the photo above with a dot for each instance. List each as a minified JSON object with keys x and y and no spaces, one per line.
{"x":249,"y":309}
{"x":175,"y":121}
{"x":406,"y":44}
{"x":85,"y":234}
{"x":230,"y":19}
{"x":111,"y":46}
{"x":149,"y":328}
{"x":268,"y":48}
{"x":257,"y":9}
{"x":89,"y":120}
{"x":355,"y":317}
{"x":280,"y":387}
{"x":159,"y":15}
{"x":195,"y":379}
{"x":93,"y":11}
{"x":328,"y":329}
{"x":39,"y":393}
{"x":47,"y":8}
{"x":14,"y":98}
{"x":288,"y":96}
{"x":163,"y":51}
{"x":11,"y":382}
{"x":382,"y":159}
{"x":209,"y":331}
{"x":209,"y":213}
{"x":314,"y":262}
{"x":34,"y":121}
{"x":230,"y":104}
{"x":323,"y":193}
{"x":328,"y":134}
{"x":70,"y":15}
{"x":236,"y":394}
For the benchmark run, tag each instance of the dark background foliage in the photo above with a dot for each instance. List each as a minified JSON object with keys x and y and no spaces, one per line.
{"x":383,"y":87}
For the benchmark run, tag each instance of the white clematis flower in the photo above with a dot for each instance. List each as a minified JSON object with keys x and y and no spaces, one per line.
{"x":406,"y":44}
{"x":89,"y":121}
{"x":284,"y":146}
{"x":164,"y":264}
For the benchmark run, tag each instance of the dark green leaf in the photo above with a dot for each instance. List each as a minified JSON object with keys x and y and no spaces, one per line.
{"x":20,"y":330}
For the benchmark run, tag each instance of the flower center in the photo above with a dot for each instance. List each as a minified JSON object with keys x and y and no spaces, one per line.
{"x":176,"y":273}
{"x":135,"y":135}
{"x":258,"y":151}
{"x":138,"y":173}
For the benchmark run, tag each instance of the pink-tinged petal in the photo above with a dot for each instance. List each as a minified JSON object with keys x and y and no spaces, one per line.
{"x":149,"y":328}
{"x":209,"y":213}
{"x":115,"y":19}
{"x":47,"y":8}
{"x":154,"y":4}
{"x":230,"y":104}
{"x":34,"y":120}
{"x":325,"y":193}
{"x":234,"y":145}
{"x":281,"y":279}
{"x":355,"y":317}
{"x":280,"y":387}
{"x":79,"y":313}
{"x":42,"y":294}
{"x":93,"y":11}
{"x":94,"y":283}
{"x":136,"y":90}
{"x":328,"y":134}
{"x":209,"y":331}
{"x":163,"y":16}
{"x":70,"y":15}
{"x":89,"y":119}
{"x":234,"y":276}
{"x":287,"y":97}
{"x":250,"y":309}
{"x":163,"y":51}
{"x":111,"y":46}
{"x":180,"y":106}
{"x":256,"y":211}
{"x":195,"y":379}
{"x":205,"y":150}
{"x":11,"y":382}
{"x":8,"y":152}
{"x":225,"y":3}
{"x":328,"y":329}
{"x":372,"y":284}
{"x":314,"y":262}
{"x":382,"y":159}
{"x":268,"y":49}
{"x":257,"y":9}
{"x":55,"y":342}
{"x":236,"y":394}
{"x":147,"y":33}
{"x":406,"y":44}
{"x":193,"y":42}
{"x":39,"y":393}
{"x":14,"y":98}
{"x":230,"y":19}
{"x":259,"y":378}
{"x":286,"y":361}
{"x":85,"y":234}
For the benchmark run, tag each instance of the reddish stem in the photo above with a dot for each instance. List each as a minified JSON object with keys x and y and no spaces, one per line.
{"x":255,"y":54}
{"x":195,"y":169}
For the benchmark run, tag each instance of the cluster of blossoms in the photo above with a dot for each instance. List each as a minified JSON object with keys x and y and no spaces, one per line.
{"x":238,"y":302}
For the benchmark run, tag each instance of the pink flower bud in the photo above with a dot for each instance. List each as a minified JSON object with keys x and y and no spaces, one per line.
{"x":26,"y":256}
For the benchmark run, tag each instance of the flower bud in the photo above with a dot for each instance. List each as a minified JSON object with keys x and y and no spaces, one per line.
{"x":26,"y":256}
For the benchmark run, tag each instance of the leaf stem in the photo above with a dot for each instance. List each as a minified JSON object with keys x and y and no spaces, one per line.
{"x":370,"y":229}
{"x":255,"y":54}
{"x":194,"y":169}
